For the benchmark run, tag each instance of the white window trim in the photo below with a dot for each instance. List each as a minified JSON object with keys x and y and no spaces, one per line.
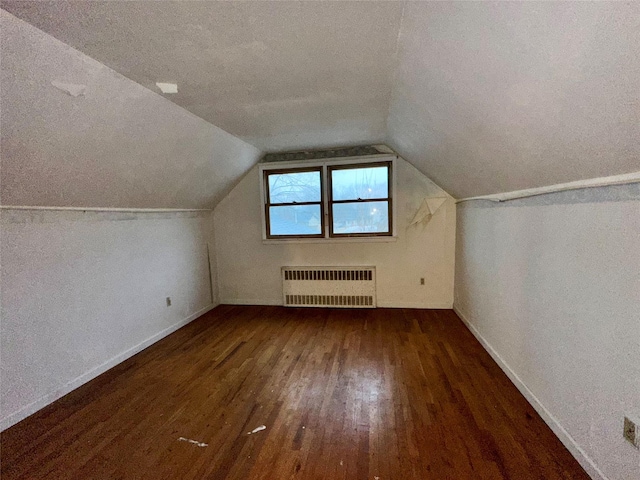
{"x":324,"y":164}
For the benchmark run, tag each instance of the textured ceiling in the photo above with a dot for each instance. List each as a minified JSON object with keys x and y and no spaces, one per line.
{"x":112,"y":143}
{"x":279,"y":75}
{"x":482,"y":97}
{"x":499,"y":97}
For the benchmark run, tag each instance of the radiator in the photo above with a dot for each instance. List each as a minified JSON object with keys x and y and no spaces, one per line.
{"x":341,"y":287}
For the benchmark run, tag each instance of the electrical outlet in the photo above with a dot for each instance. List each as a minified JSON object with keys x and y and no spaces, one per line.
{"x":168,"y":301}
{"x":422,"y":281}
{"x":632,"y":432}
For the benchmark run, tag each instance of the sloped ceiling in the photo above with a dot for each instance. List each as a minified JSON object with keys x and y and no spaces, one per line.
{"x":481,"y":97}
{"x":492,"y":98}
{"x":278,"y":75}
{"x":113,"y":144}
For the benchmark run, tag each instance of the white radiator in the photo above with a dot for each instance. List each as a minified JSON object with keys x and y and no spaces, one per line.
{"x":341,"y":287}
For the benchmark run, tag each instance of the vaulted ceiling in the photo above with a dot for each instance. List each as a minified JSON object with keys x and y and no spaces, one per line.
{"x":481,"y":97}
{"x":279,"y":75}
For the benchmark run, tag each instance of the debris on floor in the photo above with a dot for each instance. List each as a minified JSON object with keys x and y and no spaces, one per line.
{"x":256,"y":430}
{"x":200,"y":444}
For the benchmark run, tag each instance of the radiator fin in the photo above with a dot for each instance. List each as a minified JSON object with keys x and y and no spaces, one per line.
{"x":329,"y":300}
{"x":342,"y":287}
{"x":329,"y":275}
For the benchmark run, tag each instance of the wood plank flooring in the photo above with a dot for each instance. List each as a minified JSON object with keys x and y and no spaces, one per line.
{"x":344,"y":394}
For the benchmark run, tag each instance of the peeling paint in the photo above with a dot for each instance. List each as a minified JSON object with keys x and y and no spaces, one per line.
{"x":70,"y":88}
{"x":167,"y":87}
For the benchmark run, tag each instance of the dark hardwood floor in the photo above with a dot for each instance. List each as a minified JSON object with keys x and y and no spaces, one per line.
{"x":344,"y":394}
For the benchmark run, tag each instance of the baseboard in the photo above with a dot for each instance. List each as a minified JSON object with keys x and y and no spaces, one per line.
{"x":249,"y":301}
{"x":244,"y":301}
{"x":419,"y":305}
{"x":567,"y":440}
{"x":93,"y":373}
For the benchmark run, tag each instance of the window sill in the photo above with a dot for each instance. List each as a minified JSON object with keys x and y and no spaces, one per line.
{"x":330,"y":240}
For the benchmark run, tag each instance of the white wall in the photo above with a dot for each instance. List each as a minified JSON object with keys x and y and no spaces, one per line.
{"x":83,"y":291}
{"x":249,"y":270}
{"x":551,"y":284}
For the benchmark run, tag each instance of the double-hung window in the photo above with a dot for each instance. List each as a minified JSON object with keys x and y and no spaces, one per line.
{"x":294,"y":206}
{"x":360,"y":200}
{"x":328,"y":200}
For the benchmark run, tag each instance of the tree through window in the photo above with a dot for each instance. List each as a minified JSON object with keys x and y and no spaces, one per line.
{"x":294,"y":203}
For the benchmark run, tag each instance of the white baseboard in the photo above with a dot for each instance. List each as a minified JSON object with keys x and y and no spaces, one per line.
{"x":567,"y":440}
{"x":49,"y":398}
{"x":419,"y":305}
{"x":253,"y":301}
{"x":250,"y":301}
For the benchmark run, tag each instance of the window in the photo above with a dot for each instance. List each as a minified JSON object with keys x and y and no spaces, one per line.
{"x":294,"y":206}
{"x":330,"y":200}
{"x":359,"y":199}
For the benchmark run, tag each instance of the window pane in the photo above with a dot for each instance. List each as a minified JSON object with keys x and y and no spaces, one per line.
{"x":361,"y":217}
{"x":294,"y":187}
{"x":295,"y":220}
{"x":364,"y":183}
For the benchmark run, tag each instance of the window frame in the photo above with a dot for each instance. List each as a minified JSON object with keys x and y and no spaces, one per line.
{"x":268,"y":205}
{"x":331,"y":202}
{"x":325,"y":166}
